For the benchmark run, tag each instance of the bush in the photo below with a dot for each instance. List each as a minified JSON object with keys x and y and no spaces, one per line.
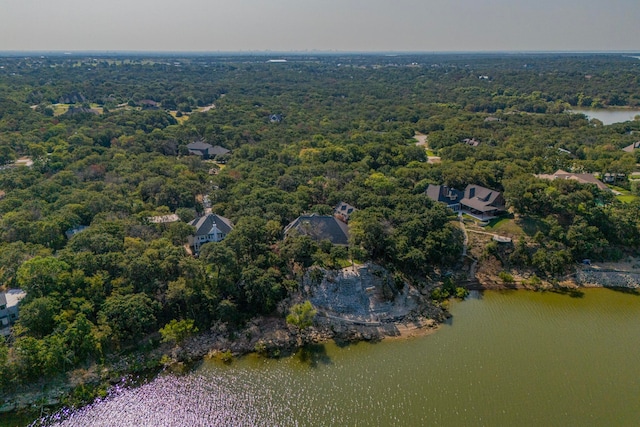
{"x":506,"y":278}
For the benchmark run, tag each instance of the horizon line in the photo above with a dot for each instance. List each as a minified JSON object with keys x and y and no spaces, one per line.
{"x":306,"y":52}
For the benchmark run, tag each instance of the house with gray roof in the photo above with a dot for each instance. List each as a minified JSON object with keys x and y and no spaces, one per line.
{"x":209,"y":228}
{"x":482,"y":203}
{"x":472,"y":142}
{"x":205,"y":150}
{"x":319,"y":228}
{"x":447,"y":195}
{"x":9,"y":309}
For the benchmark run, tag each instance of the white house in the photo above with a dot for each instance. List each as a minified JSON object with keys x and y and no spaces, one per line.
{"x":209,"y":228}
{"x":9,"y":309}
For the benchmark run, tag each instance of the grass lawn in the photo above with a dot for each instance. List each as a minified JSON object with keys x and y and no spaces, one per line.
{"x":620,"y":189}
{"x":180,"y":120}
{"x":505,"y":225}
{"x":60,"y":109}
{"x":627,"y":198}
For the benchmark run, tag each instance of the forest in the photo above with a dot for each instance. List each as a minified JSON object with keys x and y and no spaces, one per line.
{"x":107,"y":137}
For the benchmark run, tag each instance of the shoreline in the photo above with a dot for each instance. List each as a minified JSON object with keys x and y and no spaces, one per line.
{"x":269,"y":337}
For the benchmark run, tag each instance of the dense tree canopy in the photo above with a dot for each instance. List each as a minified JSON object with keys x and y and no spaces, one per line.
{"x":108,"y":141}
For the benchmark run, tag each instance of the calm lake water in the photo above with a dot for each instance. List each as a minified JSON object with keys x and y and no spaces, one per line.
{"x":609,"y":115}
{"x":506,"y":359}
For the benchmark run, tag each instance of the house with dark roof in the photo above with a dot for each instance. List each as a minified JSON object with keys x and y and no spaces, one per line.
{"x":209,"y":228}
{"x":447,"y":195}
{"x":319,"y":228}
{"x":149,"y":104}
{"x":75,"y":230}
{"x":482,"y":203}
{"x":275,"y":118}
{"x":205,"y":150}
{"x":582,"y":178}
{"x":472,"y":142}
{"x":9,"y":309}
{"x":633,"y":147}
{"x":343,"y":211}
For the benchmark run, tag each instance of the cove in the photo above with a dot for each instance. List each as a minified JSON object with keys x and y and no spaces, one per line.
{"x":608,"y":116}
{"x":505,"y":358}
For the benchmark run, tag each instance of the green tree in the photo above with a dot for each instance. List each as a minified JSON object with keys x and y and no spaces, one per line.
{"x":41,"y":276}
{"x":38,"y":315}
{"x":128,"y":317}
{"x":302,"y":315}
{"x":177,"y":331}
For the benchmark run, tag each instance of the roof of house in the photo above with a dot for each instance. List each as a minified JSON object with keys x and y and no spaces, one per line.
{"x":163,"y":219}
{"x":321,"y":227}
{"x":444,"y":194}
{"x":199,"y":145}
{"x":218,"y":150}
{"x":632,"y":147}
{"x":471,"y":141}
{"x":481,"y":198}
{"x":344,"y":210}
{"x":12,"y":297}
{"x":75,"y":230}
{"x":583,"y":178}
{"x":205,"y":224}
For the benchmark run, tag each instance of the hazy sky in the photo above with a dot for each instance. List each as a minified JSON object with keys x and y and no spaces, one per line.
{"x":344,"y":25}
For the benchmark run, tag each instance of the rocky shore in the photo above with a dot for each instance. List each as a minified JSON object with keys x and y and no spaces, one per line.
{"x":359,"y":303}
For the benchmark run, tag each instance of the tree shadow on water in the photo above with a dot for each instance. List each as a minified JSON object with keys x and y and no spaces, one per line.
{"x":572,"y":292}
{"x":628,"y":291}
{"x":313,"y":354}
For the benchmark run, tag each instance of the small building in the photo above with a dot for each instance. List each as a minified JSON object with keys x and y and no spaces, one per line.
{"x":9,"y":309}
{"x":482,"y":203}
{"x":447,"y":195}
{"x":320,"y":227}
{"x":209,"y":228}
{"x":205,"y":150}
{"x":343,"y":211}
{"x":611,"y":178}
{"x":275,"y":118}
{"x":163,"y":219}
{"x":149,"y":104}
{"x":75,"y":230}
{"x":24,"y":161}
{"x":472,"y":142}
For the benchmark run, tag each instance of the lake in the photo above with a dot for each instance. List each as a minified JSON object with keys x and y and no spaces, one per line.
{"x":607,"y":116}
{"x":514,"y":358}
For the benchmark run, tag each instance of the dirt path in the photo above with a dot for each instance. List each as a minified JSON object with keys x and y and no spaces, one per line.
{"x":423,"y":141}
{"x":465,"y":242}
{"x":493,"y":235}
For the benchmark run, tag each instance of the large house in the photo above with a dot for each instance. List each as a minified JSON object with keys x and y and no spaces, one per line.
{"x":447,"y":195}
{"x":9,"y":309}
{"x":209,"y":228}
{"x":482,"y":202}
{"x":205,"y":150}
{"x":582,"y":178}
{"x":320,"y":227}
